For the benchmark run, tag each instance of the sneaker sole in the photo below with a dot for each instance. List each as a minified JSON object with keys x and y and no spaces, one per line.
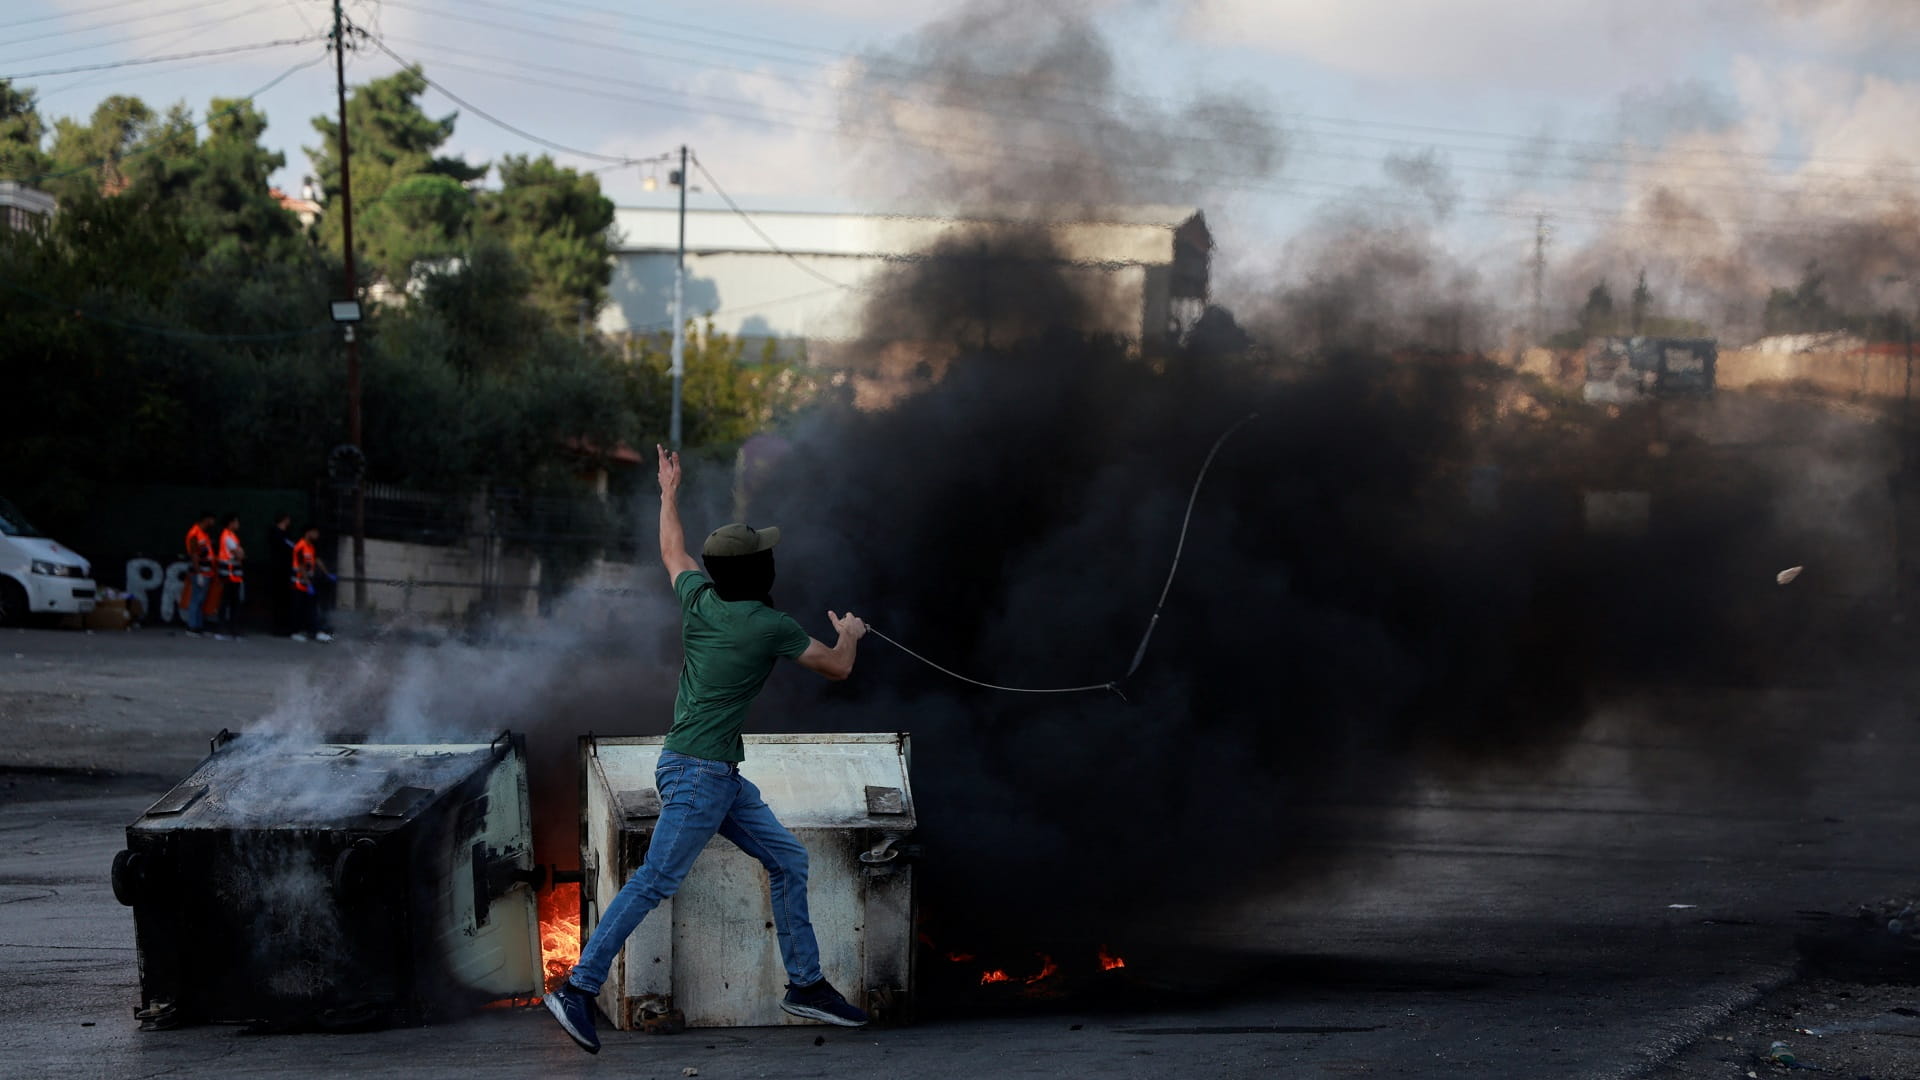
{"x":822,"y":1015}
{"x":553,"y":1006}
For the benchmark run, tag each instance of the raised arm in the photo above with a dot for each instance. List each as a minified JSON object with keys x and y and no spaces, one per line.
{"x":673,"y":538}
{"x":835,"y":663}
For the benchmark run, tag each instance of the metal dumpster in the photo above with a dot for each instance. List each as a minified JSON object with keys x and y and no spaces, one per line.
{"x":334,"y":884}
{"x":709,"y":952}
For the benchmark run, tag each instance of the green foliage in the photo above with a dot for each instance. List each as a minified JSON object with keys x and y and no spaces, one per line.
{"x":556,"y":222}
{"x":1642,"y":307}
{"x":21,"y":131}
{"x":1599,"y":318}
{"x":407,"y":202}
{"x":1802,"y":309}
{"x":421,"y":219}
{"x":390,"y":136}
{"x":90,"y":156}
{"x":726,"y":395}
{"x":1596,"y":318}
{"x":170,"y":327}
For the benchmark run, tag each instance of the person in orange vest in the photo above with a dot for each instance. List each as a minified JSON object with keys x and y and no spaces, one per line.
{"x":230,"y":560}
{"x":306,"y":589}
{"x":199,"y":546}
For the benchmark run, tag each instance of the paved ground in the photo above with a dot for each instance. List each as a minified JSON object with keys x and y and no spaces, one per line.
{"x":1528,"y":924}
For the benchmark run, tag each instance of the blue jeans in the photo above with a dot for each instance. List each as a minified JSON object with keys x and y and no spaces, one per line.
{"x":697,"y":799}
{"x":197,"y":601}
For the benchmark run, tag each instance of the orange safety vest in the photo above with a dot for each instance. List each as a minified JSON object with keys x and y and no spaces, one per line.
{"x":200,"y":551}
{"x":304,"y":558}
{"x":230,"y":552}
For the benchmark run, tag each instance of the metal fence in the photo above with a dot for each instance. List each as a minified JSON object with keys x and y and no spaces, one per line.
{"x":497,"y":552}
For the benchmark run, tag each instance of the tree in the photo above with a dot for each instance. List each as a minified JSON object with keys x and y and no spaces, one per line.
{"x":1596,"y":318}
{"x":21,"y":132}
{"x":393,"y":142}
{"x":726,"y":395}
{"x":556,"y":222}
{"x":1802,"y":309}
{"x":217,"y":187}
{"x":92,"y":156}
{"x":1642,"y":304}
{"x":423,"y":218}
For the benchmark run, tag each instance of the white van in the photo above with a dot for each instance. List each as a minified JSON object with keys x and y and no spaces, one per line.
{"x":38,"y":576}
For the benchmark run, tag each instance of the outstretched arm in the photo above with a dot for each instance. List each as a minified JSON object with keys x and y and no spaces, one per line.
{"x":835,"y":663}
{"x":673,"y":538}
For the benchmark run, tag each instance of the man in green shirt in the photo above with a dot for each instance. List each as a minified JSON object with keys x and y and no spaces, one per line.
{"x":732,"y":634}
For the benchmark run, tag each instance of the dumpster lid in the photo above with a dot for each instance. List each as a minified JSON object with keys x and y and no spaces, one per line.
{"x":811,"y":781}
{"x":264,"y":783}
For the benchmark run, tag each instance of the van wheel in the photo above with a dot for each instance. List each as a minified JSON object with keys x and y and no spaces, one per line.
{"x":13,"y":603}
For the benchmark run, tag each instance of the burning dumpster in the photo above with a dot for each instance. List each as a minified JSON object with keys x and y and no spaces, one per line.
{"x":709,"y":952}
{"x":334,"y":884}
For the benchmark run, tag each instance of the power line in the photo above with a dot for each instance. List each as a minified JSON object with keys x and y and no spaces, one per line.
{"x":170,"y":42}
{"x":106,"y":44}
{"x":502,"y":124}
{"x":116,"y":22}
{"x":70,"y":14}
{"x":755,"y":226}
{"x":1745,"y":186}
{"x":257,"y":46}
{"x":942,"y":143}
{"x":908,"y":73}
{"x":152,"y":146}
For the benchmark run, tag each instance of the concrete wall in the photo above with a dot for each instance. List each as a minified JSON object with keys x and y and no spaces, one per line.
{"x":1870,"y":370}
{"x":448,"y":580}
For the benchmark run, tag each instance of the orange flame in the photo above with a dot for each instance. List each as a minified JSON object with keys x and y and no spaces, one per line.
{"x":559,"y":931}
{"x":1109,"y":962}
{"x":993,"y":977}
{"x":1048,"y":969}
{"x":960,"y":957}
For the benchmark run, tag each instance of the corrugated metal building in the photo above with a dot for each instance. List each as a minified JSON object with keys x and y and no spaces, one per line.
{"x":807,"y":275}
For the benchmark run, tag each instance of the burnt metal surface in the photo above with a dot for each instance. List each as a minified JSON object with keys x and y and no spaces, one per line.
{"x":644,"y":803}
{"x":333,"y":885}
{"x":886,"y":800}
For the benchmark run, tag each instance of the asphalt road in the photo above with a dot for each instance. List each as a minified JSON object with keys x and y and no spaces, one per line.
{"x":1628,"y":909}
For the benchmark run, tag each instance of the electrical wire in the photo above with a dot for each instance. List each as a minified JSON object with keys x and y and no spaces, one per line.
{"x":762,"y":233}
{"x":105,"y":44}
{"x":70,"y":14}
{"x":210,"y":118}
{"x":116,"y":22}
{"x":1511,"y":207}
{"x":942,"y":141}
{"x":171,"y":41}
{"x":496,"y":121}
{"x":1529,"y":144}
{"x":1140,"y":652}
{"x":198,"y":54}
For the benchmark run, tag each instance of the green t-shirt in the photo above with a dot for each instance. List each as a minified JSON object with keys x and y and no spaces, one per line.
{"x":730,"y":647}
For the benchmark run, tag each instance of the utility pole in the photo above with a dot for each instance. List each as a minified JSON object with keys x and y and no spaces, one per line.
{"x":353,"y":293}
{"x":1540,"y":234}
{"x":679,"y":304}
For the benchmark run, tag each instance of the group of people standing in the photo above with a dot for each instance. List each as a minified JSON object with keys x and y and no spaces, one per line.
{"x":216,"y":585}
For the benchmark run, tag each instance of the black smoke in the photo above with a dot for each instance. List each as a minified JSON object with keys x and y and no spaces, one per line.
{"x":1347,"y":616}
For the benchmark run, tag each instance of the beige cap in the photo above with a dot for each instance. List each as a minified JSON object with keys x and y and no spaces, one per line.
{"x":739,"y":539}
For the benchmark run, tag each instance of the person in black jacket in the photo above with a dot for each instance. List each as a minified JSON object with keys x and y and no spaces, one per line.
{"x":279,"y":556}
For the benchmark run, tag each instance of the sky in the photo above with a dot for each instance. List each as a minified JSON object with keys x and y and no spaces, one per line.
{"x":1467,"y":118}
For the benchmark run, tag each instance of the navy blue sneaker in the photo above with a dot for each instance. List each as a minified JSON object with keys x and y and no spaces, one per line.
{"x":820,"y":1001}
{"x":573,"y":1007}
